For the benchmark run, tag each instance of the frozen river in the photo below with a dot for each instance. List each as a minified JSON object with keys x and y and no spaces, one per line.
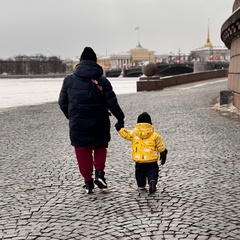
{"x":26,"y":91}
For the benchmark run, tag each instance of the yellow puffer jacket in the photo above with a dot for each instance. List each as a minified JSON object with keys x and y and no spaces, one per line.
{"x":146,"y":143}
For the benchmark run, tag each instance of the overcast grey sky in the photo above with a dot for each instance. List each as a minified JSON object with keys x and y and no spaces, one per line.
{"x":65,"y":27}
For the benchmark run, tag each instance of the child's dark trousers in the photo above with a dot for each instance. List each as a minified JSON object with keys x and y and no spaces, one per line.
{"x":146,"y":172}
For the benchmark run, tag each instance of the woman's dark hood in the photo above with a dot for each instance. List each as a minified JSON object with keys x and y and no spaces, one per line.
{"x":88,"y":69}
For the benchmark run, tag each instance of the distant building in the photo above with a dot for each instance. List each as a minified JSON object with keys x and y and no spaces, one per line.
{"x":209,"y":52}
{"x":133,"y":58}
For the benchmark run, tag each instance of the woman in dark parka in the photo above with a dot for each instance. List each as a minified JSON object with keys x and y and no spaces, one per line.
{"x":86,"y":98}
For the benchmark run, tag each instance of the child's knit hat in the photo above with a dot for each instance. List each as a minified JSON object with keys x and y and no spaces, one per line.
{"x":144,"y":118}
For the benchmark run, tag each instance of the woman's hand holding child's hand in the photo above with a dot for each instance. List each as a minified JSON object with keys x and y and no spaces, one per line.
{"x":119,"y":125}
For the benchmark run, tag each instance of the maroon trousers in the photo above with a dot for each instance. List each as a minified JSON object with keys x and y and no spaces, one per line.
{"x":89,"y":158}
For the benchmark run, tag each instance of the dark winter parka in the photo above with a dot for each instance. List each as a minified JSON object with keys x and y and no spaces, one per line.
{"x":86,"y":106}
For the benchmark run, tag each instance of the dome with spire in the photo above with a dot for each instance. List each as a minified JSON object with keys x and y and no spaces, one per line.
{"x":208,"y":52}
{"x":208,"y":43}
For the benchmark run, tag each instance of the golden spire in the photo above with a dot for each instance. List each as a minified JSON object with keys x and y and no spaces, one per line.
{"x":208,"y":43}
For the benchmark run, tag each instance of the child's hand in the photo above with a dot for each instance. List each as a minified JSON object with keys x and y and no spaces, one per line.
{"x":163,"y":156}
{"x":119,"y":125}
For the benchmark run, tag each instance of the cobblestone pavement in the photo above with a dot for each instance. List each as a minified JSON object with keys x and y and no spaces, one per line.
{"x":198,"y":193}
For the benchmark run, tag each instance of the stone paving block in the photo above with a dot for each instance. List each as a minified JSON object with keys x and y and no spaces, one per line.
{"x":201,"y":237}
{"x":145,"y":238}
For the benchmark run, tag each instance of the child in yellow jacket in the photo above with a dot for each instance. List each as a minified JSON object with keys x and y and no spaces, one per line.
{"x":147,"y":145}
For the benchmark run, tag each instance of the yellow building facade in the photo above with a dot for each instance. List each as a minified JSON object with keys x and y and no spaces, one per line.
{"x":134,"y":58}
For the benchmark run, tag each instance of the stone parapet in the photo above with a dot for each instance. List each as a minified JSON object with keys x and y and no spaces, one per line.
{"x":193,"y":77}
{"x":149,"y":84}
{"x":156,"y":83}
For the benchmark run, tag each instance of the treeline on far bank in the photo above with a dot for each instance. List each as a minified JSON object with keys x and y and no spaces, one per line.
{"x":32,"y":65}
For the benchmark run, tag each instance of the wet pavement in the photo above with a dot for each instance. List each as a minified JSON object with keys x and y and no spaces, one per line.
{"x":198,"y":193}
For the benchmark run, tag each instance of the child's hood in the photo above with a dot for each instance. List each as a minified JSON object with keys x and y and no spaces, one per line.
{"x":144,"y":130}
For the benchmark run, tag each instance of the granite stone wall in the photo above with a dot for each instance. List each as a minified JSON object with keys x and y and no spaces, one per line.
{"x":230,"y":35}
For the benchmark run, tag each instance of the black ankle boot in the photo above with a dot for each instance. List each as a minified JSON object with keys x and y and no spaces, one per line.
{"x":89,"y":186}
{"x":100,"y":180}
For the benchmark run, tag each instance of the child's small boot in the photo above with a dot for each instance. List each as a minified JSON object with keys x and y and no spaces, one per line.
{"x":100,"y":180}
{"x":89,"y":186}
{"x":152,"y":187}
